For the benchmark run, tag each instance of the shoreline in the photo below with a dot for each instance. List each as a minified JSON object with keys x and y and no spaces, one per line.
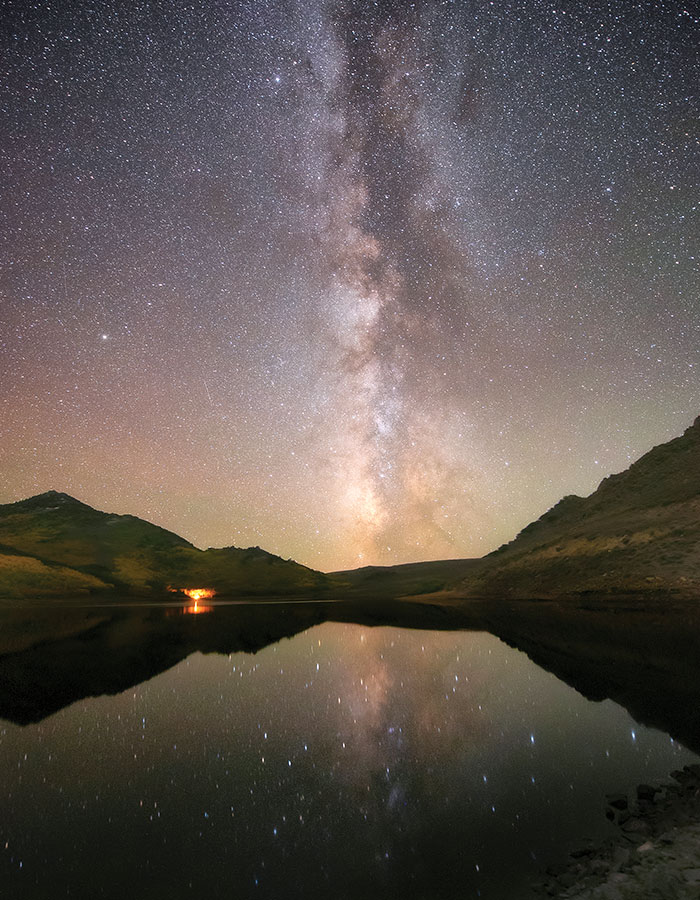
{"x":655,"y":853}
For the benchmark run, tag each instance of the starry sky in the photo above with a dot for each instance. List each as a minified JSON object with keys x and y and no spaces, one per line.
{"x":359,"y":282}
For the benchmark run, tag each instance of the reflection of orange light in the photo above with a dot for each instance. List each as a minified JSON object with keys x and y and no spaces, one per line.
{"x":198,"y":593}
{"x":196,"y":608}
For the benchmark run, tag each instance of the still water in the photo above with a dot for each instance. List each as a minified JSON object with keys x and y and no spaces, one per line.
{"x":347,"y":761}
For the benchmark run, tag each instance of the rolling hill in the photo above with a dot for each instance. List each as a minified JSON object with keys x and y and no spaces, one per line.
{"x":54,"y":544}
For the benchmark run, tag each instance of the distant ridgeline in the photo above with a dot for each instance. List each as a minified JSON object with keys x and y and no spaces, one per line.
{"x":53,"y":544}
{"x":638,"y":533}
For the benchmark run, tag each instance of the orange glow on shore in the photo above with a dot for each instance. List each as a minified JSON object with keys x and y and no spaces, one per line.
{"x":195,"y":594}
{"x":198,"y":593}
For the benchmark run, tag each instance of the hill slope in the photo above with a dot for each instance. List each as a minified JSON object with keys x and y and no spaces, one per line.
{"x":56,"y":544}
{"x":25,"y":576}
{"x":405,"y":580}
{"x":639,"y":531}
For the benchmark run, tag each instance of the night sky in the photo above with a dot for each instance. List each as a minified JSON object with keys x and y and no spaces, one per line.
{"x":357,"y":282}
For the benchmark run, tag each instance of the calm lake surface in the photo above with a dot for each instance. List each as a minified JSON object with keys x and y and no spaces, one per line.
{"x":347,"y":761}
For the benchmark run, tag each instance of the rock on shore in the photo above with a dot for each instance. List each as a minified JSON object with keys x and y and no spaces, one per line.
{"x":655,"y":855}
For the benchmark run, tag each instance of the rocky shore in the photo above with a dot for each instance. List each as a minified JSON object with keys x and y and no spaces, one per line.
{"x":655,"y":854}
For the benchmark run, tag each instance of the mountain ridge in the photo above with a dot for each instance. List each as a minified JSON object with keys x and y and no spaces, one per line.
{"x":638,"y":531}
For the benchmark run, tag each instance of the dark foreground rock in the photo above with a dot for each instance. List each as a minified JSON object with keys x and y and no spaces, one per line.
{"x":654,"y":856}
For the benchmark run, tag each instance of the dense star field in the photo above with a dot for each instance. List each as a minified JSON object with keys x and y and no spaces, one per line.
{"x":358,"y":282}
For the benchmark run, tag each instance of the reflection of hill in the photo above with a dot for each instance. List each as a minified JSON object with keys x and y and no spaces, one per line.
{"x":110,"y":649}
{"x":51,"y":658}
{"x":646,"y":660}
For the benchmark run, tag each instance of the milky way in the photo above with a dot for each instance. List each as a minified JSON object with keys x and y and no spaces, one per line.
{"x":357,"y":282}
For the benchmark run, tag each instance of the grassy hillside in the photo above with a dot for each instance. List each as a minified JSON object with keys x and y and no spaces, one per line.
{"x":25,"y":576}
{"x":129,"y":554}
{"x":57,"y":528}
{"x":639,"y":531}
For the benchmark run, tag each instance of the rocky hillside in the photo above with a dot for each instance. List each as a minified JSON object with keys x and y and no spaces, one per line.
{"x":639,"y":531}
{"x":54,"y":544}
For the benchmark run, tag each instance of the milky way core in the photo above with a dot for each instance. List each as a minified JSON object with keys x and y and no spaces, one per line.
{"x":356,"y":282}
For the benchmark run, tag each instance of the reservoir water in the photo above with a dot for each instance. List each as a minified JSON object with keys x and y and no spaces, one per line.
{"x":344,"y":761}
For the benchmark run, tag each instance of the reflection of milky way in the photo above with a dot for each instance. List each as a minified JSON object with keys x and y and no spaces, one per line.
{"x":356,"y":282}
{"x":389,"y":716}
{"x":344,"y":762}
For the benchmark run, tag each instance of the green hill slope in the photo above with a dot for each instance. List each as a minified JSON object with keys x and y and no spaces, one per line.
{"x":26,"y":576}
{"x":129,"y":555}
